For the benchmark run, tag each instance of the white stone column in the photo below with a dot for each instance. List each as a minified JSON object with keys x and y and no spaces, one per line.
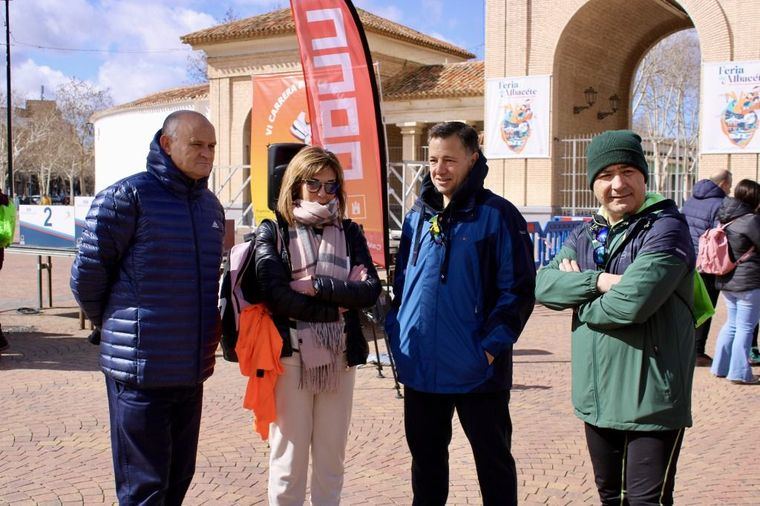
{"x":411,"y":140}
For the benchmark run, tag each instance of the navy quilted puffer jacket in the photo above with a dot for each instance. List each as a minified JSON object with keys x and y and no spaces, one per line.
{"x":147,"y":274}
{"x":701,"y":209}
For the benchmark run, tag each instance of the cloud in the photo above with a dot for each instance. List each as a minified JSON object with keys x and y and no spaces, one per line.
{"x":28,"y":77}
{"x":135,"y":25}
{"x":129,"y":78}
{"x":54,"y":23}
{"x":442,"y":37}
{"x":433,"y":10}
{"x":140,"y":50}
{"x":263,"y":4}
{"x":390,"y":12}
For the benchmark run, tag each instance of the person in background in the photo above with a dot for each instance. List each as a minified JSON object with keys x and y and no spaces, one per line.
{"x":463,"y":292}
{"x":147,"y":276}
{"x":4,"y":201}
{"x":701,"y":211}
{"x":741,"y":286}
{"x":628,"y":276}
{"x":315,"y":272}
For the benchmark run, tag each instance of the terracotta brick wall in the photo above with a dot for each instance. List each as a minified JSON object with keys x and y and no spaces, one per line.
{"x":599,"y":43}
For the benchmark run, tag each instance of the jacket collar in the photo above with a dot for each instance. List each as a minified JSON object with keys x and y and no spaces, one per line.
{"x":431,"y":200}
{"x":162,"y":167}
{"x":654,"y":203}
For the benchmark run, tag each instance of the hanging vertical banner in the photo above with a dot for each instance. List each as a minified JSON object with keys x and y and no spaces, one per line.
{"x":730,"y":104}
{"x":345,"y":108}
{"x":517,"y":117}
{"x":279,"y":114}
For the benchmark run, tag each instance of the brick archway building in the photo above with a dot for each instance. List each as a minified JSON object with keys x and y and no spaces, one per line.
{"x":599,"y":43}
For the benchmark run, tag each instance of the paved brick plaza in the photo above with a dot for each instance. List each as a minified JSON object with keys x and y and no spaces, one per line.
{"x":54,"y":446}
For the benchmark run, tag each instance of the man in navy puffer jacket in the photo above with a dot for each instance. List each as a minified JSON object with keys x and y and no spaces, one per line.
{"x":147,"y":276}
{"x":701,"y":212}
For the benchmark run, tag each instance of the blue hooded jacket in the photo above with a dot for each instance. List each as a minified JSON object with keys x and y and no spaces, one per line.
{"x":147,"y":274}
{"x":701,"y":209}
{"x":458,"y":297}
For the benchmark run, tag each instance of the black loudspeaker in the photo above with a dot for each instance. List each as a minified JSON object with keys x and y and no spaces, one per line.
{"x":278,"y":158}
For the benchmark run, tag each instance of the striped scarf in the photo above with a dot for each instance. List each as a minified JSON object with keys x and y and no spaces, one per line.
{"x":321,"y":344}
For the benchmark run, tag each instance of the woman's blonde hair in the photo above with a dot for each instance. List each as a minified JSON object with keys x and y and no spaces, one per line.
{"x":305,"y":165}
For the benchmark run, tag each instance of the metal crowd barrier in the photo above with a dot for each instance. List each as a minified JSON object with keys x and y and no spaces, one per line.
{"x":547,"y":241}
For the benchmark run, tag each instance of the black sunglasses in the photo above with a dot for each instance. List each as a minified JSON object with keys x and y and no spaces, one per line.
{"x":314,"y":185}
{"x":600,"y":246}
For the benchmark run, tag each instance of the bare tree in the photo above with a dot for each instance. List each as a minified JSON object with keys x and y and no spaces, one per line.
{"x":25,"y":136}
{"x":665,"y":101}
{"x":77,"y":101}
{"x":50,"y":148}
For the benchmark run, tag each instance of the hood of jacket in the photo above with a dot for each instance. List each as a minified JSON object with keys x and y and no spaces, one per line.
{"x":433,"y":199}
{"x":731,"y":209}
{"x":162,"y":167}
{"x":706,"y":189}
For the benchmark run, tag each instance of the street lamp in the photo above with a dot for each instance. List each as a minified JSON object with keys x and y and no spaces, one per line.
{"x":590,"y":95}
{"x":614,"y":105}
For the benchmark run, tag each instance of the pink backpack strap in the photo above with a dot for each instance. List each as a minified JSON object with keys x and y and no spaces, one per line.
{"x":240,"y":258}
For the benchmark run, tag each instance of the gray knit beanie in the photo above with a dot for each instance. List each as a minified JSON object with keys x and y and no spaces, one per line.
{"x":613,"y":147}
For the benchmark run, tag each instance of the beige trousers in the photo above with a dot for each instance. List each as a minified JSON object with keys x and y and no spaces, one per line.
{"x":308,"y":421}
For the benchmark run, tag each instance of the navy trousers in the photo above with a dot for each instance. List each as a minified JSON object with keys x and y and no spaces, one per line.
{"x":486,"y":423}
{"x":154,"y":439}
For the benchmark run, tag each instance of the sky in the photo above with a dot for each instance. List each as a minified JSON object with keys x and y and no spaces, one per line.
{"x":132,"y":47}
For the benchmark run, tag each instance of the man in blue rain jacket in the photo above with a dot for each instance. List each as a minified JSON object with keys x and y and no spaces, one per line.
{"x":463,"y":292}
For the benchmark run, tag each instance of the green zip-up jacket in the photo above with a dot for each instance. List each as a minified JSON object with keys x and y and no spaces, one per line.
{"x":632,"y":347}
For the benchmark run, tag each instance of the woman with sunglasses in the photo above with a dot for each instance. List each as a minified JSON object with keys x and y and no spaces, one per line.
{"x":741,"y":286}
{"x":315,"y":272}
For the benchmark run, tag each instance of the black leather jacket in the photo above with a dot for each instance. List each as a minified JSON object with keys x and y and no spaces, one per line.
{"x":273,"y":272}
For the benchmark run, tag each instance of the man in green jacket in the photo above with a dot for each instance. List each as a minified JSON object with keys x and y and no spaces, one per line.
{"x":628,"y":277}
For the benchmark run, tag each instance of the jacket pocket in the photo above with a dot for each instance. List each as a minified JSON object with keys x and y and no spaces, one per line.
{"x":461,"y":359}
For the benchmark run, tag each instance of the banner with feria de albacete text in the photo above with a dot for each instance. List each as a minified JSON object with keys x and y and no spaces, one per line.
{"x":344,"y":108}
{"x":517,"y":117}
{"x":730,"y":105}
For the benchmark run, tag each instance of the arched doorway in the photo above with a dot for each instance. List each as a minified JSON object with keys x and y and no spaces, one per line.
{"x":598,"y":44}
{"x":595,"y":68}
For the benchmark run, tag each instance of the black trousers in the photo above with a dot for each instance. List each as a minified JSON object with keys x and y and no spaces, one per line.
{"x":634,"y":467}
{"x":703,"y":331}
{"x":154,"y":439}
{"x":487,"y":425}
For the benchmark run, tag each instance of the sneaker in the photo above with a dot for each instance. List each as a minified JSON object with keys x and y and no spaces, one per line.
{"x":703,"y":360}
{"x":754,"y":381}
{"x":754,"y":357}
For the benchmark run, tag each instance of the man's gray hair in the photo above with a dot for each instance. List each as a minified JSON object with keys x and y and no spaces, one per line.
{"x":721,"y":176}
{"x":173,"y":120}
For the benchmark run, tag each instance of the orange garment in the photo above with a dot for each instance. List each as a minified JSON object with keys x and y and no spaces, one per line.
{"x":258,"y":349}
